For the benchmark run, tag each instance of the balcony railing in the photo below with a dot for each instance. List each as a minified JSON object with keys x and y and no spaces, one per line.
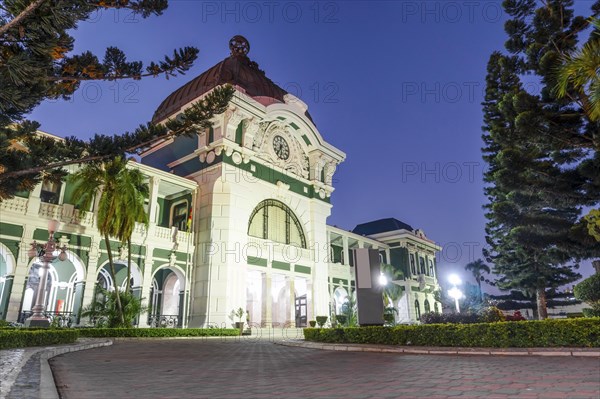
{"x":60,"y":319}
{"x":51,"y":211}
{"x":82,"y":217}
{"x":167,"y":234}
{"x":164,"y":321}
{"x":16,"y":204}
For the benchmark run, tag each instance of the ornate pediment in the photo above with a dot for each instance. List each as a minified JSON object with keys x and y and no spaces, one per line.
{"x":275,"y":142}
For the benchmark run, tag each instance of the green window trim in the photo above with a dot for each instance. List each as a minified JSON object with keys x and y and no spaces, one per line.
{"x":290,"y":220}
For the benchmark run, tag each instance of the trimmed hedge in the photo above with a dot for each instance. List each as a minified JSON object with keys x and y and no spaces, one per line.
{"x":514,"y":334}
{"x":21,"y":337}
{"x":156,"y":332}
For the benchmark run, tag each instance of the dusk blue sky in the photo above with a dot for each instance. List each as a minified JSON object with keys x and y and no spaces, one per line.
{"x":396,"y":85}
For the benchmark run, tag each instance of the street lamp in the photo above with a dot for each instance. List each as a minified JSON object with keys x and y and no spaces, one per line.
{"x":454,"y":280}
{"x":46,"y":253}
{"x":454,"y":292}
{"x":383,"y":280}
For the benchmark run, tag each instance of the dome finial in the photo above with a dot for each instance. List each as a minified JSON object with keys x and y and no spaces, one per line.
{"x":239,"y":46}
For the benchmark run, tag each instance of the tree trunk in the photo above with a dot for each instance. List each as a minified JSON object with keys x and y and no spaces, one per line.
{"x":480,"y":292}
{"x":542,"y":310}
{"x":596,"y":265}
{"x":128,"y":264}
{"x":114,"y":278}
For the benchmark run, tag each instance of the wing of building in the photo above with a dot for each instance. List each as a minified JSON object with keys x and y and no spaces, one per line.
{"x":238,"y":218}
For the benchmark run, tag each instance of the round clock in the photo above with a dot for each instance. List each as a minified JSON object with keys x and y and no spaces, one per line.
{"x":281,"y":148}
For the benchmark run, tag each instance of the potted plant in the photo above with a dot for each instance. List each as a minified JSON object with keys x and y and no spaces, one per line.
{"x":312,"y":323}
{"x":239,"y":314}
{"x":341,"y":319}
{"x":389,"y":315}
{"x":321,"y":320}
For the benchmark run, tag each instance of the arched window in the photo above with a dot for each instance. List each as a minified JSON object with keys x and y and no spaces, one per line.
{"x":413,"y":267}
{"x":417,"y":310}
{"x":273,"y":220}
{"x":427,"y":308}
{"x":431,"y":268}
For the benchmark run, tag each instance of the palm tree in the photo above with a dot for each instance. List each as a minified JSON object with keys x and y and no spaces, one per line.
{"x":134,"y":191}
{"x":477,"y":268}
{"x":391,"y":291}
{"x":121,"y":203}
{"x":581,"y":74}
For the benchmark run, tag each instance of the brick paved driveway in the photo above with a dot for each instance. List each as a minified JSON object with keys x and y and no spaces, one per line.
{"x":232,"y":369}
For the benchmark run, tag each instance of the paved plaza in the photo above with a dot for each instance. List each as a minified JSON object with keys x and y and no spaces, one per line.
{"x":260,"y":369}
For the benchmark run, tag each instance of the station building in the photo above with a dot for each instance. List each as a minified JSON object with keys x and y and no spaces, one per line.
{"x":238,"y":218}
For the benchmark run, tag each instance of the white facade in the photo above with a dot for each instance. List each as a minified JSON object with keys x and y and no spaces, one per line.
{"x":257,"y":185}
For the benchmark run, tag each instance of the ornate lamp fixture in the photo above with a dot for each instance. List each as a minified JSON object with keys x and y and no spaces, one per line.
{"x":46,"y":253}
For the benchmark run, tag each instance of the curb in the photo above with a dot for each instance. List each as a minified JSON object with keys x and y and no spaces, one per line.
{"x":47,"y":387}
{"x":443,"y":351}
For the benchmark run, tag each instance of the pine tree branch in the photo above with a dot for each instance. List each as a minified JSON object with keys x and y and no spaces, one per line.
{"x":95,"y":158}
{"x":111,"y":78}
{"x":198,"y":115}
{"x":16,"y":21}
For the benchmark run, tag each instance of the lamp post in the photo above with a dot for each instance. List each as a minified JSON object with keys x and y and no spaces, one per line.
{"x":46,"y":253}
{"x":454,"y":292}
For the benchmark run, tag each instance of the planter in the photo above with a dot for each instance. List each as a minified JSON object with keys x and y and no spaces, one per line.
{"x":240,"y":326}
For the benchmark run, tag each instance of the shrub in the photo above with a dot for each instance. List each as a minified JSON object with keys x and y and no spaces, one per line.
{"x":341,"y":318}
{"x":490,"y":314}
{"x":156,"y":332}
{"x":22,"y":337}
{"x":104,"y":310}
{"x":441,"y":318}
{"x":486,"y":315}
{"x":521,"y":334}
{"x":312,"y":323}
{"x":516,"y":316}
{"x":321,"y":320}
{"x":588,"y":291}
{"x":591,"y":312}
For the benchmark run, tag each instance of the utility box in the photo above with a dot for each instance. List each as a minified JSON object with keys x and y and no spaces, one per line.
{"x":369,"y":299}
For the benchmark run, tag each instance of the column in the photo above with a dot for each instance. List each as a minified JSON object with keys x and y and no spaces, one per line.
{"x":180,"y":313}
{"x":267,"y":316}
{"x":91,"y":274}
{"x":34,"y":201}
{"x":78,"y":298}
{"x":146,"y":286}
{"x":309,"y":302}
{"x":292,"y":301}
{"x":346,"y":252}
{"x":20,"y":272}
{"x":6,"y":290}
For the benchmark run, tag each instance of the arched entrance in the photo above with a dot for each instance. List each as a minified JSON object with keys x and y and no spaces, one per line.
{"x":63,"y":293}
{"x":340,"y":297}
{"x":105,"y":280}
{"x":105,"y":283}
{"x":167,"y":297}
{"x":7,"y":268}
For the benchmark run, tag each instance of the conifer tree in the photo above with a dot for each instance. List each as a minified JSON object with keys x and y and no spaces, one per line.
{"x":36,"y":64}
{"x":542,"y":154}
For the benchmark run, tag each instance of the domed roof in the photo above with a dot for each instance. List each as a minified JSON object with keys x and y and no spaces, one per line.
{"x":237,"y":69}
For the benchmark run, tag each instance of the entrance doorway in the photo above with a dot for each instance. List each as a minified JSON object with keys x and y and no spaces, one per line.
{"x":301,"y":311}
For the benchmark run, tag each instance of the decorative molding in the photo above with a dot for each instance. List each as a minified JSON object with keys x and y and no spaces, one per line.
{"x":297,"y":162}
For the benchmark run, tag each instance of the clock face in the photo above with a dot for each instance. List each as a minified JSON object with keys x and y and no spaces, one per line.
{"x":281,"y":148}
